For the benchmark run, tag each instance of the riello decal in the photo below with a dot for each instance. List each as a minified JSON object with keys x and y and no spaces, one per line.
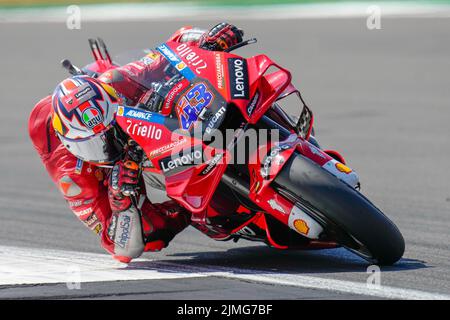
{"x":192,"y":58}
{"x":143,"y":130}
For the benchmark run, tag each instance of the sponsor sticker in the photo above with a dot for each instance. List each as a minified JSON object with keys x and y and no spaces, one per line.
{"x":180,"y":66}
{"x":304,"y":224}
{"x":148,"y":59}
{"x":83,"y":94}
{"x":98,"y":228}
{"x":82,"y":213}
{"x":78,"y":203}
{"x":74,"y":204}
{"x":123,"y":230}
{"x":214,"y":119}
{"x":343,"y":168}
{"x":168,"y":53}
{"x":143,"y":130}
{"x":173,"y":93}
{"x":176,"y":61}
{"x":187,"y":158}
{"x":92,"y":117}
{"x":139,"y":114}
{"x":301,"y":226}
{"x":167,"y":147}
{"x":276,"y":206}
{"x":342,"y":172}
{"x":91,"y":220}
{"x":251,"y":106}
{"x":192,"y":103}
{"x":112,"y":227}
{"x":220,"y":78}
{"x":238,"y":75}
{"x":191,"y":57}
{"x":273,"y":155}
{"x":84,"y":90}
{"x":153,"y":55}
{"x":212,"y":164}
{"x":79,"y":166}
{"x":68,"y":187}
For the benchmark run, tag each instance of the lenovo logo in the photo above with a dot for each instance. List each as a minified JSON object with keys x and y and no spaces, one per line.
{"x":238,"y":74}
{"x":187,"y":159}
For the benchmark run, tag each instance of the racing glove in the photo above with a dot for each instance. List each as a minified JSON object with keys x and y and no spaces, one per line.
{"x":123,"y":183}
{"x":125,"y":226}
{"x":221,"y":37}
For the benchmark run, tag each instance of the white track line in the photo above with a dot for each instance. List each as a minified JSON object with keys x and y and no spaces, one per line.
{"x":41,"y":266}
{"x":176,"y":11}
{"x":34,"y":266}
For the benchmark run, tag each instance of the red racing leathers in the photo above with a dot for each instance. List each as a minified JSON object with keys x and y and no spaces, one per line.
{"x":85,"y":186}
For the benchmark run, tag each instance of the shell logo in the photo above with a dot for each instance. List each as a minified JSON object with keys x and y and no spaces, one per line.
{"x":343,"y":168}
{"x":98,"y":228}
{"x":181,"y":66}
{"x":120,"y":111}
{"x":301,"y":226}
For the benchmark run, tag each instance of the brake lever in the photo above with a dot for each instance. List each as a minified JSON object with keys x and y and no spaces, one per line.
{"x":73,"y":70}
{"x":134,"y":154}
{"x":241,"y":44}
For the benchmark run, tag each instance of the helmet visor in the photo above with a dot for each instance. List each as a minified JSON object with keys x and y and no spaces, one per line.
{"x":102,"y":148}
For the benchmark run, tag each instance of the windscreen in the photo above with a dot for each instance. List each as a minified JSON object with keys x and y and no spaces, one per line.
{"x":147,"y":67}
{"x":185,"y":96}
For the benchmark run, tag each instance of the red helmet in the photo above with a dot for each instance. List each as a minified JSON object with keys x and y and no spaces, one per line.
{"x":84,"y":119}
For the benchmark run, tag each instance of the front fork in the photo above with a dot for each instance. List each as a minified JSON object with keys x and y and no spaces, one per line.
{"x":270,"y":159}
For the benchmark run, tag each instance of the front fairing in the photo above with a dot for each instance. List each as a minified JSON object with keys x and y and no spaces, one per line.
{"x":174,"y":139}
{"x":209,"y":87}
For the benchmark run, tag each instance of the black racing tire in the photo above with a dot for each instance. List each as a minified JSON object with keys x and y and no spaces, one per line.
{"x":358,"y":225}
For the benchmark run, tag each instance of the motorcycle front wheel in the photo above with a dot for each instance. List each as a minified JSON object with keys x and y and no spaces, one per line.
{"x":348,"y":217}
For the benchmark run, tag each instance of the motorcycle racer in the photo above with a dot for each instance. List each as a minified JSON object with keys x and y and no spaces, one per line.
{"x":90,"y":159}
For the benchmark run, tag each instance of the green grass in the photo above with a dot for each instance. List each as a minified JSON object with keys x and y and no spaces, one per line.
{"x":47,"y":3}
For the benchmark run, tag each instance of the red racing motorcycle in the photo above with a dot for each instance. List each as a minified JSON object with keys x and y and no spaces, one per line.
{"x":224,"y":147}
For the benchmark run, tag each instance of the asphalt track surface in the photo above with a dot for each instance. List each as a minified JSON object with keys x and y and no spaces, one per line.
{"x":381,"y":97}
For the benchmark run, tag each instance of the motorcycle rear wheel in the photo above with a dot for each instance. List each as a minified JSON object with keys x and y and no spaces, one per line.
{"x":347,"y":216}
